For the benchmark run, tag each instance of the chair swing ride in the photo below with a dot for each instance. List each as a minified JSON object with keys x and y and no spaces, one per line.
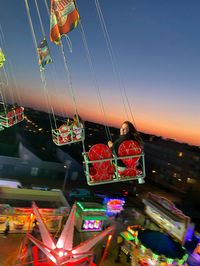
{"x":69,"y":131}
{"x":10,"y":114}
{"x":101,"y":165}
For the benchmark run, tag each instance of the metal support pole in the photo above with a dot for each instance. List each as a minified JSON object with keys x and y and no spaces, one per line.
{"x":67,"y":166}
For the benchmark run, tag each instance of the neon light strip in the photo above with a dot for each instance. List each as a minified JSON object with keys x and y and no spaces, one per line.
{"x":90,"y":209}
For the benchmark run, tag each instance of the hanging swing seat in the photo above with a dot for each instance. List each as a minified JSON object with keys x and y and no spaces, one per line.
{"x":11,"y":116}
{"x":78,"y":133}
{"x":101,"y":166}
{"x":67,"y":135}
{"x":19,"y":114}
{"x":130,"y":153}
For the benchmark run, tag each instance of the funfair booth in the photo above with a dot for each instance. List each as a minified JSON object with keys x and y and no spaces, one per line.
{"x":170,"y":219}
{"x":16,"y":207}
{"x":90,"y":216}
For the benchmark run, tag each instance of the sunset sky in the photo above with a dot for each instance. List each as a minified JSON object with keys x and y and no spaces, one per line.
{"x":156,"y":46}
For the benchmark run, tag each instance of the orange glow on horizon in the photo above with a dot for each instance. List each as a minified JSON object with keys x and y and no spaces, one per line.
{"x":187,"y":136}
{"x":166,"y":128}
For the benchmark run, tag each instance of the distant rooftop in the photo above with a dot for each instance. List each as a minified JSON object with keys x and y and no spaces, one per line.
{"x":16,"y":197}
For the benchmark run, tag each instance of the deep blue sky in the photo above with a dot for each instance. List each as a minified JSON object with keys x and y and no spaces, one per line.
{"x":157,"y":49}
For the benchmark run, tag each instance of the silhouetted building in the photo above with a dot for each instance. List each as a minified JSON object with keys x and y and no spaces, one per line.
{"x":171,"y":164}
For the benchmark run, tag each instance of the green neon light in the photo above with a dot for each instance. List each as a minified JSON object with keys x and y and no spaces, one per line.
{"x":127,"y":236}
{"x":136,"y":241}
{"x":169,"y":260}
{"x":131,"y":231}
{"x":96,"y":218}
{"x":102,"y":209}
{"x":155,"y":257}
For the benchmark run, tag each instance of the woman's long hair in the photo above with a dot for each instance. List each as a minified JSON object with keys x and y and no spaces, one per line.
{"x":133,"y":132}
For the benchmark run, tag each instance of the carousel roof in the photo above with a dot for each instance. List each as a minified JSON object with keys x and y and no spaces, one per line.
{"x":161,"y":243}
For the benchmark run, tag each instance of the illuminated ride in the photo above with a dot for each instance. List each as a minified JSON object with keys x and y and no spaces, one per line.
{"x":10,"y":114}
{"x":148,"y":247}
{"x":101,"y":165}
{"x":62,"y":21}
{"x":160,"y":247}
{"x":62,"y":252}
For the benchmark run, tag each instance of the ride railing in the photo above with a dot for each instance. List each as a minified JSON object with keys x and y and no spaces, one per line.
{"x":109,"y":170}
{"x":65,"y":135}
{"x":11,"y":117}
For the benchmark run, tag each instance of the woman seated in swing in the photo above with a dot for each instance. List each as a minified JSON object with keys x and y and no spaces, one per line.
{"x":127,"y":132}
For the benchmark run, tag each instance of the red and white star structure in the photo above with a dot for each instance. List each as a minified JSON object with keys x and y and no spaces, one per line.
{"x":63,"y":252}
